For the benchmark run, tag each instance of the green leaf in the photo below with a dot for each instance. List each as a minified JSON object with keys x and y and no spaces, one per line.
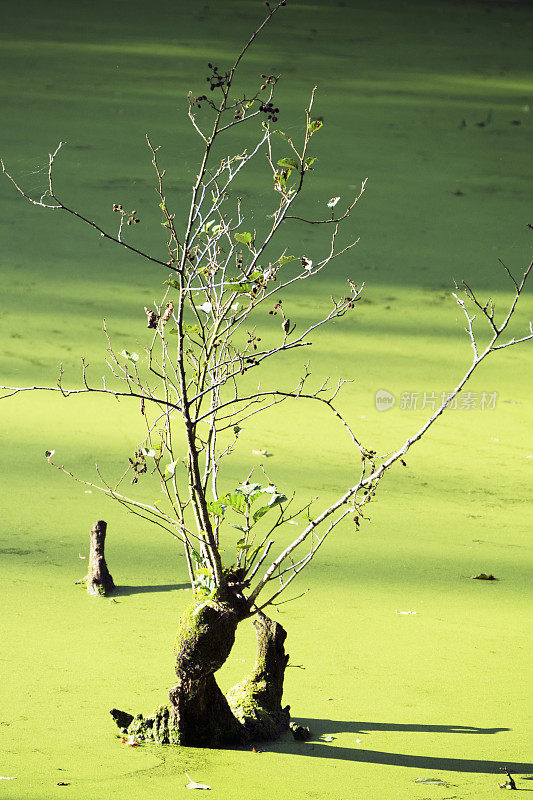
{"x":131,"y":356}
{"x":252,"y":555}
{"x":249,"y":489}
{"x":244,"y":238}
{"x":189,"y":329}
{"x":216,"y":507}
{"x":203,"y":571}
{"x":240,"y":528}
{"x":236,"y":501}
{"x":286,"y":260}
{"x":237,"y":429}
{"x":288,"y":163}
{"x":171,"y":282}
{"x":260,"y":512}
{"x":310,"y":161}
{"x":314,"y":126}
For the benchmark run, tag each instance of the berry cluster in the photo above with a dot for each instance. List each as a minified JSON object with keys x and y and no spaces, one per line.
{"x":269,"y":80}
{"x":216,"y":80}
{"x":277,"y":306}
{"x":131,"y":218}
{"x":270,"y":110}
{"x":196,"y":101}
{"x":138,"y":464}
{"x":252,"y":339}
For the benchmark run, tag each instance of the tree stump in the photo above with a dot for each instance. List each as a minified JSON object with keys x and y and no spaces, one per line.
{"x":256,"y":700}
{"x":198,"y":714}
{"x":98,"y":579}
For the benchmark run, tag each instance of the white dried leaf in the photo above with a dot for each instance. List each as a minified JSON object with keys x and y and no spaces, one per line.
{"x":206,"y":307}
{"x":333,"y":202}
{"x":193,"y":785}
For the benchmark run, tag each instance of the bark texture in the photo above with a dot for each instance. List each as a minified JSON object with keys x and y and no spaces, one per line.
{"x":256,"y":700}
{"x":198,"y":714}
{"x":98,"y":579}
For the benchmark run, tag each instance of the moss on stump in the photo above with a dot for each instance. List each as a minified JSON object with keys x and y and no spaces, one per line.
{"x":198,"y":714}
{"x":256,"y":700}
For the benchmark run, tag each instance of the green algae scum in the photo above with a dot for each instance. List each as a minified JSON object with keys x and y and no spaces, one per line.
{"x":412,"y":677}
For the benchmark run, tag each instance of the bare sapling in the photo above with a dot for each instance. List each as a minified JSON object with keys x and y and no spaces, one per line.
{"x":199,"y":380}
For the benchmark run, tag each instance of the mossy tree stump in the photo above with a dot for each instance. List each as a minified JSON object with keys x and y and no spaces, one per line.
{"x":256,"y":700}
{"x":98,"y":579}
{"x":198,"y":713}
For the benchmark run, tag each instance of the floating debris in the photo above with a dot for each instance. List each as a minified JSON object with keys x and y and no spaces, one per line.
{"x":193,"y":785}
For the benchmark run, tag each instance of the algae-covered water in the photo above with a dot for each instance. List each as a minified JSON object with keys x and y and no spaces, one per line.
{"x":432,"y":101}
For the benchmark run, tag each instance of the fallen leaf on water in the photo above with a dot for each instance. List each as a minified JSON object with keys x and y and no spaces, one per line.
{"x":264,"y":453}
{"x":63,"y":783}
{"x":3,"y":778}
{"x":435,"y":781}
{"x":405,"y":612}
{"x":358,"y":741}
{"x":193,"y":785}
{"x":483,"y":576}
{"x":257,"y":751}
{"x":328,"y":738}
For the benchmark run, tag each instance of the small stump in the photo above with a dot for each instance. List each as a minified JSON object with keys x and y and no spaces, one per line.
{"x":98,"y":579}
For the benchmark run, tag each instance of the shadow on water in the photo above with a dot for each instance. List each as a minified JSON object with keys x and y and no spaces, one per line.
{"x":125,"y":591}
{"x":322,"y":727}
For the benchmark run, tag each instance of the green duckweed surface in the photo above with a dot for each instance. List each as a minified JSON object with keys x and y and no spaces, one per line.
{"x":433,"y":102}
